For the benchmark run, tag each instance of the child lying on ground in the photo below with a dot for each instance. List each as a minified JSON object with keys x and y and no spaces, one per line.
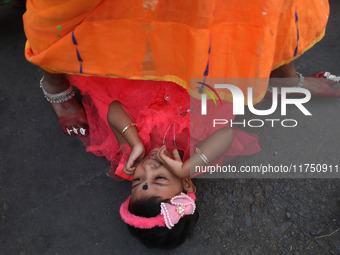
{"x":161,"y":209}
{"x":152,"y":118}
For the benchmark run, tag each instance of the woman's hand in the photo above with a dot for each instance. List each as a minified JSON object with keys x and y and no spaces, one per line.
{"x":136,"y":155}
{"x":171,"y":161}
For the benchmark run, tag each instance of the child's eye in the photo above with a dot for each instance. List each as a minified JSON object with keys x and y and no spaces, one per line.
{"x":160,"y":177}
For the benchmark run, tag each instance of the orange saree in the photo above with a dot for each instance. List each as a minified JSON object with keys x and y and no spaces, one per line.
{"x":172,"y":40}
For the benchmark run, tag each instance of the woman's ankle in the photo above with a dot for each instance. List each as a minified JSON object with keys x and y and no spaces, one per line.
{"x":54,"y":83}
{"x":285,"y":71}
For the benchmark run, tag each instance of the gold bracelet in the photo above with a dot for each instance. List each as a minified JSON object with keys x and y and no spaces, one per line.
{"x":202,"y":156}
{"x":128,"y":126}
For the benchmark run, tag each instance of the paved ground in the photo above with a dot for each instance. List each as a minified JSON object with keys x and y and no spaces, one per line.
{"x":56,"y":199}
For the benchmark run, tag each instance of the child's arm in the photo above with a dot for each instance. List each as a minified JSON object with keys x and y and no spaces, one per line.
{"x":118,"y":119}
{"x":212,"y":148}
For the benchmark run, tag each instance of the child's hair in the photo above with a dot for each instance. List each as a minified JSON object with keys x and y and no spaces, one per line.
{"x":160,"y":237}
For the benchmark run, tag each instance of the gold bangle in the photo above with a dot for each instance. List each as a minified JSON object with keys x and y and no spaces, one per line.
{"x":202,"y":156}
{"x":128,"y":126}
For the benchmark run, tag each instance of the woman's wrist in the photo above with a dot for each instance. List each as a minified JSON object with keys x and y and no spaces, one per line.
{"x":186,"y":170}
{"x":132,"y":137}
{"x":137,"y":144}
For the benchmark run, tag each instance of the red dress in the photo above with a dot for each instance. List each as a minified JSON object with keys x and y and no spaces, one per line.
{"x":159,"y":108}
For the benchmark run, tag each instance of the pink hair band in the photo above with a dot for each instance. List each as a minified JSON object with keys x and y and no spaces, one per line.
{"x":171,"y":213}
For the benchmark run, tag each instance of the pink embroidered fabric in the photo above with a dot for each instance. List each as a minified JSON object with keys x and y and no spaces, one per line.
{"x":159,"y":108}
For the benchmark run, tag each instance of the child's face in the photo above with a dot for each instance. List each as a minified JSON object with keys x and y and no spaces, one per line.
{"x":160,"y":181}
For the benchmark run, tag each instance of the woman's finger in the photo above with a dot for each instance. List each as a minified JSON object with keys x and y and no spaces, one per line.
{"x":128,"y":172}
{"x":176,"y":155}
{"x":158,"y":154}
{"x":167,"y":153}
{"x":165,"y":159}
{"x":129,"y":165}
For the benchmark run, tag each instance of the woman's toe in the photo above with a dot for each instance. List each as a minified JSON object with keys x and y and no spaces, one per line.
{"x":318,"y":74}
{"x":69,"y":131}
{"x":83,"y":130}
{"x":75,"y":130}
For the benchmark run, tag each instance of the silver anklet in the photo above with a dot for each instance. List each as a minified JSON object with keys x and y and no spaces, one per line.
{"x":298,"y":85}
{"x":59,"y":97}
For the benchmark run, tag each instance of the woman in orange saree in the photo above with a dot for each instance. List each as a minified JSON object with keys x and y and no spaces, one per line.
{"x":168,"y":41}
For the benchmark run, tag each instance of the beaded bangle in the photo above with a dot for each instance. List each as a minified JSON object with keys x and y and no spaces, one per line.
{"x":128,"y":126}
{"x":202,"y":156}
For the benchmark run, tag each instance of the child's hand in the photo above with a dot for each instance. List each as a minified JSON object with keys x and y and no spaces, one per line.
{"x":172,"y":161}
{"x":136,"y":155}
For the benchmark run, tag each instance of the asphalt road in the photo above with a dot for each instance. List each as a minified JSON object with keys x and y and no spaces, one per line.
{"x":56,"y":199}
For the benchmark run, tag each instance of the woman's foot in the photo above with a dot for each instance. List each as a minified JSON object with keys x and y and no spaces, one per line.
{"x":70,"y":113}
{"x":317,"y":84}
{"x":320,"y":86}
